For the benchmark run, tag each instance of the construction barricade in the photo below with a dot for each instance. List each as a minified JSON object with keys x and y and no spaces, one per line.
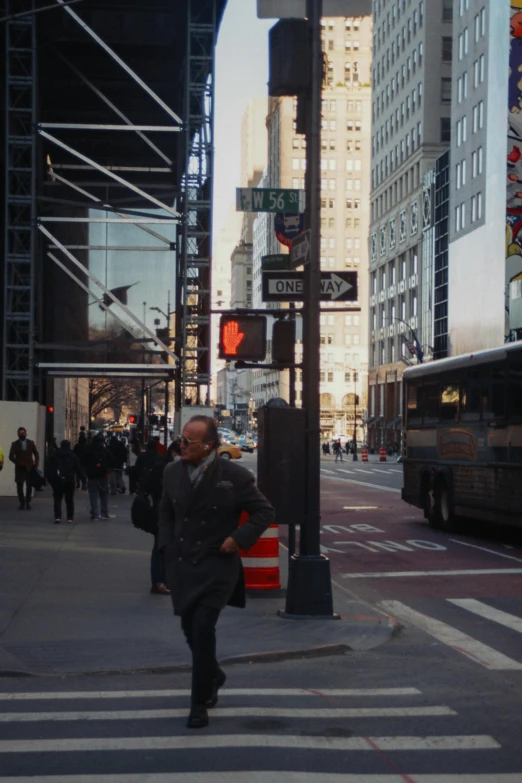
{"x":364,"y":455}
{"x":261,"y":562}
{"x":382,"y":454}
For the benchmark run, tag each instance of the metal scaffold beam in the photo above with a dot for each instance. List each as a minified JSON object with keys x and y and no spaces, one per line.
{"x":20,"y":204}
{"x":193,"y":297}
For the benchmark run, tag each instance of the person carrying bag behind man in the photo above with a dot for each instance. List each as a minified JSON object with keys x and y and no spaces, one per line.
{"x":63,"y":471}
{"x":25,"y":457}
{"x":203,"y":497}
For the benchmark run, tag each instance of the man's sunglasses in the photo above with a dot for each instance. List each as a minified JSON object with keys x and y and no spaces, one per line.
{"x":188,"y":442}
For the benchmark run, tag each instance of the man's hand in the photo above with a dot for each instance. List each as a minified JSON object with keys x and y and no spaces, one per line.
{"x":229,"y":546}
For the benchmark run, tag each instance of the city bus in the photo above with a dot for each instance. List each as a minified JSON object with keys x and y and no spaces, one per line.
{"x":462,"y":448}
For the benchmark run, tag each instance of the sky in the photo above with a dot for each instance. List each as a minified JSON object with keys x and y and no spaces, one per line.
{"x":241,"y":74}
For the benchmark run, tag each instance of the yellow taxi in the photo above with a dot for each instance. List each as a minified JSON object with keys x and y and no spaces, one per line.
{"x":229,"y":451}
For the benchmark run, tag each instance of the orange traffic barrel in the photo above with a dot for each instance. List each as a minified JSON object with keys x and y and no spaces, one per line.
{"x":382,"y":454}
{"x":261,"y":562}
{"x":364,"y":455}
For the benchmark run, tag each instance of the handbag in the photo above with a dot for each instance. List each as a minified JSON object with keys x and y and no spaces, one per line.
{"x":144,"y":516}
{"x":36,"y":478}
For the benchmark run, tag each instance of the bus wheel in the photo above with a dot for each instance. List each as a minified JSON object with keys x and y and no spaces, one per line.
{"x":428,"y":501}
{"x":443,"y":511}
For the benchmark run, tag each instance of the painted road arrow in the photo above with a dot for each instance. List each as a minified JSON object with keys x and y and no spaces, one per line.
{"x":289,"y":286}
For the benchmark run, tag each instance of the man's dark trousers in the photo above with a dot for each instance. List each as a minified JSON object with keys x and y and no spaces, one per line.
{"x":199,"y":627}
{"x":61,"y":491}
{"x":24,"y":498}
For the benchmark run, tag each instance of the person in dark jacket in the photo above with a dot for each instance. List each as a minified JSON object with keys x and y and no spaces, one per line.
{"x":199,"y":533}
{"x":97,"y":461}
{"x":63,"y":471}
{"x":119,"y":452}
{"x":148,"y":472}
{"x":25,"y":456}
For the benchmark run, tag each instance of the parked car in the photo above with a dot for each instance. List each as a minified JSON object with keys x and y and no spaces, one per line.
{"x":246,"y":444}
{"x":229,"y":451}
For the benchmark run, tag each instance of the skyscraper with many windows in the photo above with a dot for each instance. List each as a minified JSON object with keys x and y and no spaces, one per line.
{"x":411,"y":128}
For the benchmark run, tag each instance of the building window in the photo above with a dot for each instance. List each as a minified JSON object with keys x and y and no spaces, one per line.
{"x":383,"y":240}
{"x":446,"y":90}
{"x":447,"y":11}
{"x":447,"y":49}
{"x":482,"y":66}
{"x":402,"y":226}
{"x":373,"y":247}
{"x":392,"y":234}
{"x":414,"y":218}
{"x":483,"y":22}
{"x":295,"y":144}
{"x":445,"y":129}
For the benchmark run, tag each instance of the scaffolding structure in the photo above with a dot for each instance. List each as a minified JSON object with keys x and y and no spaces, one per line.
{"x":95,"y":189}
{"x":18,"y":377}
{"x":194,"y":239}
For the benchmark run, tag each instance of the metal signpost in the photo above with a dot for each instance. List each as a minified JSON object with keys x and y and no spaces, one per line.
{"x":289,"y":286}
{"x":270,"y":200}
{"x":301,"y":250}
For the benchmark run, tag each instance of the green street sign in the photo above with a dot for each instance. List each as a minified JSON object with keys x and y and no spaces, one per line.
{"x":270,"y":200}
{"x":280,"y":262}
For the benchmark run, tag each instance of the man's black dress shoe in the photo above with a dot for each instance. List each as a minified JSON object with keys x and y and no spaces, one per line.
{"x":198,"y":717}
{"x":217,"y":683}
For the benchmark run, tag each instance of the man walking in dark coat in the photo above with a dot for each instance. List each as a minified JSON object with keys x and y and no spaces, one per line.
{"x":63,"y":471}
{"x":25,"y":456}
{"x":203,"y":497}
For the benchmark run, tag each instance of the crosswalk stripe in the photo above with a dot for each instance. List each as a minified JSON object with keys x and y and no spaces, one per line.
{"x":223,"y":693}
{"x":279,"y":776}
{"x":361,"y":483}
{"x":206,"y":742}
{"x":489,"y":612}
{"x":230,"y":712}
{"x":467,"y":645}
{"x":469,"y":572}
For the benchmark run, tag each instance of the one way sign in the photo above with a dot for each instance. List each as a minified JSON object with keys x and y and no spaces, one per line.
{"x":289,"y":286}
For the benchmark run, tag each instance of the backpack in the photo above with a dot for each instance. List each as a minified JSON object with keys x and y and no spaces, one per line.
{"x":151,"y":479}
{"x":63,"y":470}
{"x":96,"y":463}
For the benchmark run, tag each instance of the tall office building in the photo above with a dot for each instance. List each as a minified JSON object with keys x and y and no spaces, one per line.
{"x":411,"y":128}
{"x":485,"y":252}
{"x":345,"y":186}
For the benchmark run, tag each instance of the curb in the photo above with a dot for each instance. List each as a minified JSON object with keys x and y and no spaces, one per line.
{"x":275,"y":656}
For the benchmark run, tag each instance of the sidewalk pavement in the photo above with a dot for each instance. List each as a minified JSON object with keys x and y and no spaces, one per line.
{"x":74,"y":598}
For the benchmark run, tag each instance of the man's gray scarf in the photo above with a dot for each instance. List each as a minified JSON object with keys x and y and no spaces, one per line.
{"x":196,"y":472}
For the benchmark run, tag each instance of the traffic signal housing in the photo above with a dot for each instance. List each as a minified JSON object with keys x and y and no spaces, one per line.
{"x":283,"y":342}
{"x":242,"y":337}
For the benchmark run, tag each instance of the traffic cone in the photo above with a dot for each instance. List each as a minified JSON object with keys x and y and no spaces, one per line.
{"x":364,"y":455}
{"x":382,"y":454}
{"x":261,"y":562}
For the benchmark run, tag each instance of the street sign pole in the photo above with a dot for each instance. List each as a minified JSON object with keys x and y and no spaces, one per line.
{"x":309,"y":582}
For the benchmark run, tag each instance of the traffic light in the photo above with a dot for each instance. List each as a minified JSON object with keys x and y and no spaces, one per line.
{"x":133,"y":419}
{"x":283,"y":342}
{"x":242,"y":337}
{"x":50,"y":409}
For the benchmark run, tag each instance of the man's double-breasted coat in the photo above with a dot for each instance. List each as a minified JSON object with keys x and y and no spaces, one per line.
{"x":194,"y":522}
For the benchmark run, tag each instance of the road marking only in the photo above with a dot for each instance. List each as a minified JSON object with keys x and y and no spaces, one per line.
{"x":489,"y":612}
{"x":360,"y":483}
{"x":80,"y":744}
{"x":393,"y":574}
{"x":223,"y":693}
{"x":459,"y":641}
{"x":279,"y":776}
{"x":232,"y":712}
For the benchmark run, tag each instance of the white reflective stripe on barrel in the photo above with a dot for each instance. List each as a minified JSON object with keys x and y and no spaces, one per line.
{"x":271,"y":532}
{"x":260,"y":562}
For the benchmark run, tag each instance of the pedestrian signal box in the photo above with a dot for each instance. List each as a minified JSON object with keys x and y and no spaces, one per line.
{"x":242,"y":337}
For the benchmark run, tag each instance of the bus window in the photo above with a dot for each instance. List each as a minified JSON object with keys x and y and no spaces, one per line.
{"x":449,"y":402}
{"x":477,"y":395}
{"x":498,"y":396}
{"x":414,"y":412}
{"x":430,"y":397}
{"x":515,"y":390}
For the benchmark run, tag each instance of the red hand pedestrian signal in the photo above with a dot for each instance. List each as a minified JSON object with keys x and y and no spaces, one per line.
{"x":232,"y":338}
{"x":242,"y":337}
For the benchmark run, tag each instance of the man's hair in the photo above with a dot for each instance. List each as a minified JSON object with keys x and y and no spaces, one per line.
{"x":20,"y":429}
{"x":212,"y":432}
{"x":65,"y":444}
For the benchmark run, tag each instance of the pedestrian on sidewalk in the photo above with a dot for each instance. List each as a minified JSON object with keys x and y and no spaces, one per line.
{"x":97,"y":462}
{"x":63,"y":471}
{"x":149,"y":469}
{"x":203,"y":497}
{"x":119,"y":453}
{"x":79,"y":448}
{"x":338,"y":450}
{"x":24,"y":455}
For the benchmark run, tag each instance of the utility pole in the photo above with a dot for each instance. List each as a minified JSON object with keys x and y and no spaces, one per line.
{"x":309,"y":582}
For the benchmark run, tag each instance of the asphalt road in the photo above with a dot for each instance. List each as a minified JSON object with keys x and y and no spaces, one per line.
{"x":440,"y":703}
